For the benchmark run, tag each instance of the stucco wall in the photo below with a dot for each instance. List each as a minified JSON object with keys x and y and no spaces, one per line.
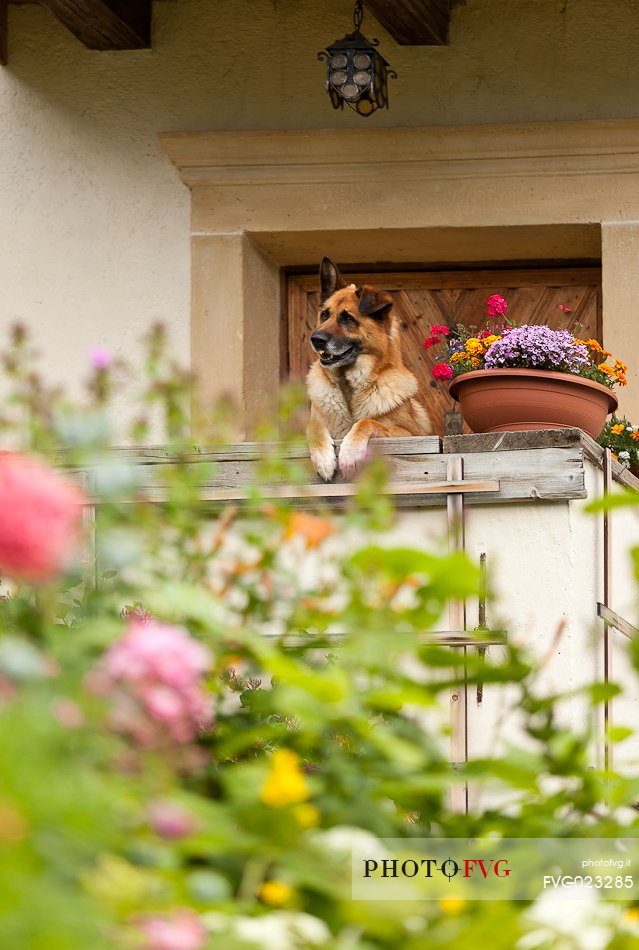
{"x":94,"y":221}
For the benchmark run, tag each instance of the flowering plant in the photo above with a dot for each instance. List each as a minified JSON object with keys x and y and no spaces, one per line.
{"x":622,"y":438}
{"x":203,"y":756}
{"x":502,"y":345}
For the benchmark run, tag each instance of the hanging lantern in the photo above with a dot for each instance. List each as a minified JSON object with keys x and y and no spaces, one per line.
{"x":356,"y":73}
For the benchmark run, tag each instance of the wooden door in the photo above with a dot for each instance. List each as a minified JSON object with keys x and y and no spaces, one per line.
{"x":450,"y":297}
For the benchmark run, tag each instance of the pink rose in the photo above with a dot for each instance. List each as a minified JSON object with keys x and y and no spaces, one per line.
{"x":497,"y":305}
{"x":171,"y":821}
{"x":68,"y":713}
{"x":40,"y":519}
{"x":182,"y":929}
{"x":154,"y":675}
{"x":162,"y":703}
{"x":442,"y":371}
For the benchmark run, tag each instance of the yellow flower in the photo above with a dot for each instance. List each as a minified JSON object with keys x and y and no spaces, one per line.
{"x":475,"y":362}
{"x":491,"y":339}
{"x":594,"y":345}
{"x":474,"y":346}
{"x":307,"y":816}
{"x":452,"y":905}
{"x":457,"y":357}
{"x":285,"y":784}
{"x":608,"y":370}
{"x":631,"y":913}
{"x":275,"y":893}
{"x":621,"y":366}
{"x":616,"y":430}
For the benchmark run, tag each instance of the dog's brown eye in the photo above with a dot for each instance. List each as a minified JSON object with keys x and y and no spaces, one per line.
{"x":346,"y":319}
{"x":324,"y":315}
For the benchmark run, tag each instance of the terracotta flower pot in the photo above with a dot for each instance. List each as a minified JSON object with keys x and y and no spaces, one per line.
{"x":502,"y":400}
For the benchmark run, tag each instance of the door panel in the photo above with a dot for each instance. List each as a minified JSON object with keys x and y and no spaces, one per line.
{"x":451,"y":297}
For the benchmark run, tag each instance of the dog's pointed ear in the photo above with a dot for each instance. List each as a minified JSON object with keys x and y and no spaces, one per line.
{"x":330,"y":279}
{"x":374,"y":303}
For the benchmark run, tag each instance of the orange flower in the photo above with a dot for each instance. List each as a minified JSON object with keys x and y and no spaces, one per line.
{"x":13,"y":826}
{"x":314,"y":530}
{"x":618,"y":429}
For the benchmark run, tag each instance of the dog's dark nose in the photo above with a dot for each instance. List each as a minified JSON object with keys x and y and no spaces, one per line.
{"x":319,"y":339}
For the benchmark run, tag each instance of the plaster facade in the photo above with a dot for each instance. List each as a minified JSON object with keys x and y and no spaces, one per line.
{"x":94,"y":221}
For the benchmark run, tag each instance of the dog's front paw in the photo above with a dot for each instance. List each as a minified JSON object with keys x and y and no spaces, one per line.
{"x":324,"y":461}
{"x":352,"y":454}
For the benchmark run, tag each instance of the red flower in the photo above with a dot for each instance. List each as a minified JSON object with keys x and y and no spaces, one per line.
{"x":440,"y":328}
{"x":497,"y":305}
{"x":560,"y":306}
{"x":41,"y":518}
{"x":431,"y":341}
{"x":442,"y":371}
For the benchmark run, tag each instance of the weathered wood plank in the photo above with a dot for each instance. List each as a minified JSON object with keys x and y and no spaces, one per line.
{"x":620,"y":473}
{"x":539,"y":438}
{"x":509,"y":441}
{"x":106,"y":24}
{"x":4,"y":7}
{"x":414,"y":22}
{"x":258,"y":451}
{"x":157,"y":491}
{"x":614,"y":620}
{"x":553,"y":474}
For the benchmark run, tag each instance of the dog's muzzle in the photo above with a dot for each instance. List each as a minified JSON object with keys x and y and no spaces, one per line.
{"x":334,"y":352}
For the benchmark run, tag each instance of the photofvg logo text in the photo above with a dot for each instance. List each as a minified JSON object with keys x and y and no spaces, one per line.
{"x":427,"y":867}
{"x":493,"y":869}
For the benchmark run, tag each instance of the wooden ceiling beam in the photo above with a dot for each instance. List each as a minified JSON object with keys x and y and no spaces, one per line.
{"x":414,"y":22}
{"x":3,"y":32}
{"x":105,"y":24}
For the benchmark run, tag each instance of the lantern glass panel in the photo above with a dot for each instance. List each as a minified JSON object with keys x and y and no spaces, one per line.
{"x":362,"y":78}
{"x":361,"y":60}
{"x":338,"y":77}
{"x":350,"y":90}
{"x":339,"y":61}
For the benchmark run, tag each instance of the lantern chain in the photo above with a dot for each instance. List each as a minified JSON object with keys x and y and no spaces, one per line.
{"x":358,"y":14}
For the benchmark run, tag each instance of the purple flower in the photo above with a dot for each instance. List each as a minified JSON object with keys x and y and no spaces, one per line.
{"x":537,"y":347}
{"x":100,"y":357}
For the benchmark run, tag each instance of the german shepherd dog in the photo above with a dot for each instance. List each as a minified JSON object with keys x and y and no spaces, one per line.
{"x":359,"y":387}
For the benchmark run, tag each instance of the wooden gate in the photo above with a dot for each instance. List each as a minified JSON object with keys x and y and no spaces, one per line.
{"x":450,"y":297}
